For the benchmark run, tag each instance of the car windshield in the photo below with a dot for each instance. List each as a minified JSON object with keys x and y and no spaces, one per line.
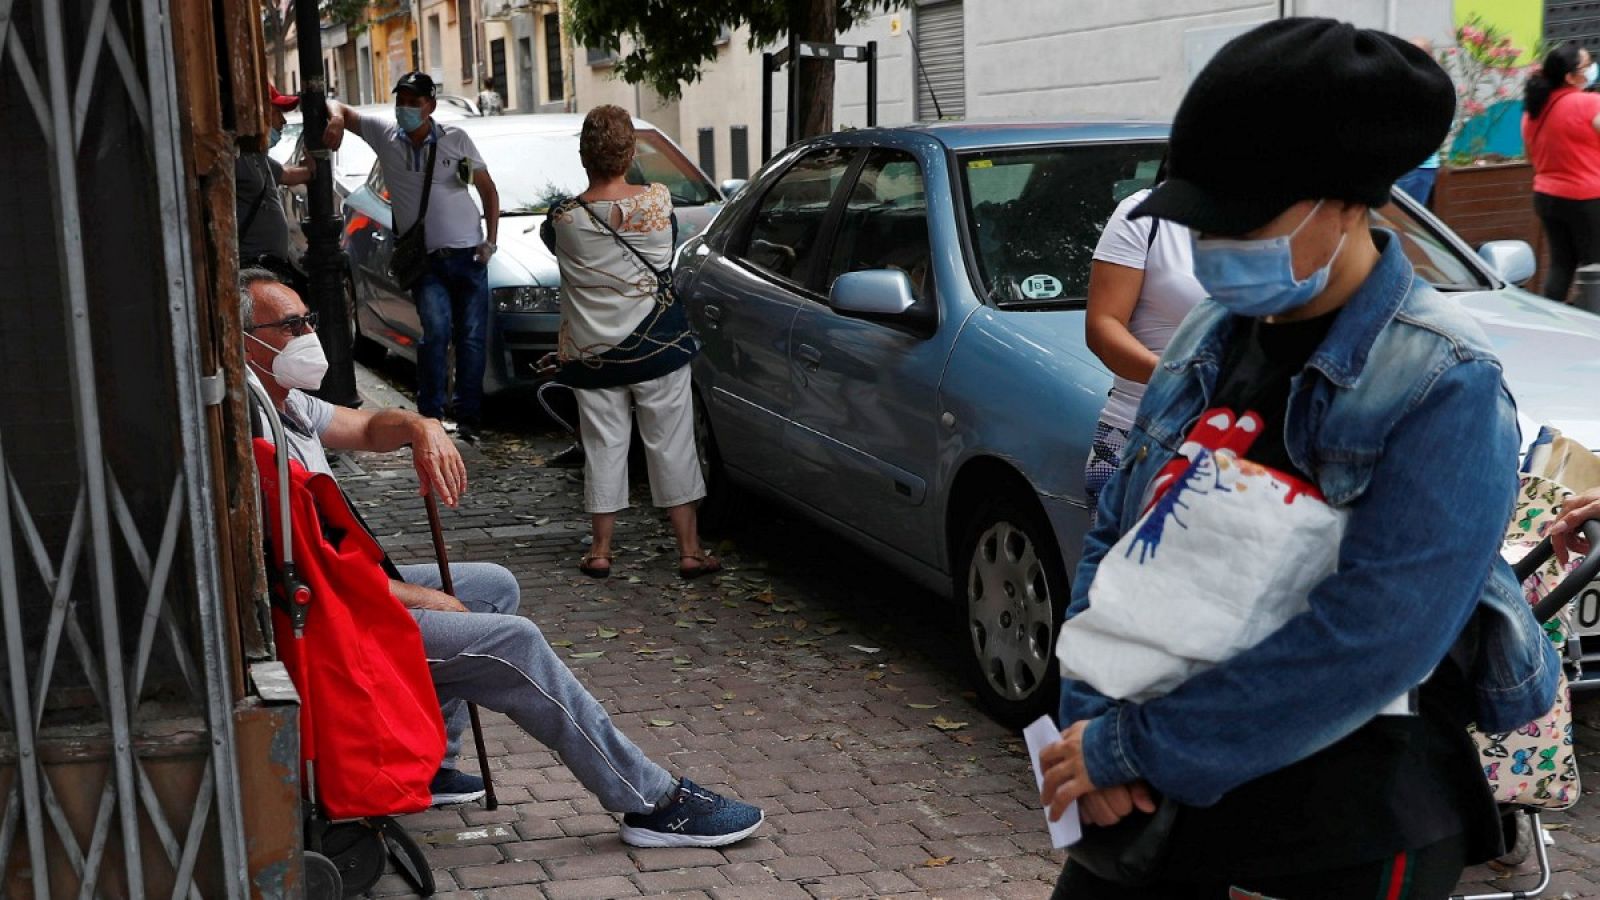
{"x":1036,"y":214}
{"x":532,"y":169}
{"x":353,"y":159}
{"x":1435,"y":260}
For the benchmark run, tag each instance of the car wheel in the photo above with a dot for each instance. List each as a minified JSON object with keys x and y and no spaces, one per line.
{"x":363,"y":350}
{"x":716,"y":509}
{"x":1012,"y":590}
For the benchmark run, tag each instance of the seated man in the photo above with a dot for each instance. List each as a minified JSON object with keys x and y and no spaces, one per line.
{"x":478,"y":649}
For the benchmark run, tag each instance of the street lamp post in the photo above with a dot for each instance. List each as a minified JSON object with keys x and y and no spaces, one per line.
{"x":324,"y":261}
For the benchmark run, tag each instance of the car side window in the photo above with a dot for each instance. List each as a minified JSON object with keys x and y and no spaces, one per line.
{"x":885,"y":223}
{"x":787,"y":223}
{"x":1035,"y":214}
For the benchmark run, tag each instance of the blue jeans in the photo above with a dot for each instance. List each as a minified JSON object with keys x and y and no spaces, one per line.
{"x":1418,"y":183}
{"x":452,"y":299}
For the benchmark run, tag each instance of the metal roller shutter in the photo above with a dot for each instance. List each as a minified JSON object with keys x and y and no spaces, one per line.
{"x":942,"y":74}
{"x":1569,"y":21}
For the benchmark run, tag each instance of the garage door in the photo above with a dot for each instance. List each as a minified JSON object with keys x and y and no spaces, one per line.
{"x":1565,"y":20}
{"x":942,"y":62}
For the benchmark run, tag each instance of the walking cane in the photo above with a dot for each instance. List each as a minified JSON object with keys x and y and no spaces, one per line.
{"x":489,"y":800}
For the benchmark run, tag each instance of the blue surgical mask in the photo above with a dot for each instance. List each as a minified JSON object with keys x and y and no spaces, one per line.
{"x":1256,"y":277}
{"x":409,"y":118}
{"x":273,"y":137}
{"x":1590,"y":72}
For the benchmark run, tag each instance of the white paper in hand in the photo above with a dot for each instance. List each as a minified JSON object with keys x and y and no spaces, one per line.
{"x":1065,"y":831}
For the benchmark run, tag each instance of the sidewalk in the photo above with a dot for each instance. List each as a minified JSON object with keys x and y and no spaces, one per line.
{"x":804,"y":679}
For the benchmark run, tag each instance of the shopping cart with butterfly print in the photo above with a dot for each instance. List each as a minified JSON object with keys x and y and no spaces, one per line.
{"x":1535,"y":768}
{"x":1562,"y":461}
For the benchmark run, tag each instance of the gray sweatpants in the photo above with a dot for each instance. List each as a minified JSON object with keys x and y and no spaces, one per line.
{"x":499,"y":660}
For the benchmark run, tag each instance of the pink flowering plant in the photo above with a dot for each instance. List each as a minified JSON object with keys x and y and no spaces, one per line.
{"x":1487,"y":70}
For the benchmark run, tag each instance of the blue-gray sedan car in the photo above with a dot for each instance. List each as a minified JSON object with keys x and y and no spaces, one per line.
{"x":894,"y":346}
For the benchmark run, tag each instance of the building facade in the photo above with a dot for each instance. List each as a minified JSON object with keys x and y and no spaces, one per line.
{"x":956,"y":59}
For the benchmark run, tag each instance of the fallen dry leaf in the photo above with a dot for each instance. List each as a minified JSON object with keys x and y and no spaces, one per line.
{"x":943,"y":724}
{"x":936,"y":862}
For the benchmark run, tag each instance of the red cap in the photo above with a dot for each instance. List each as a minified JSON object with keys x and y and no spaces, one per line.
{"x":285,"y":102}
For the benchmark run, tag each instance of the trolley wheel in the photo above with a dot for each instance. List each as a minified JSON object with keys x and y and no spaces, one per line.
{"x":408,"y":856}
{"x":322,"y":878}
{"x":357,"y":849}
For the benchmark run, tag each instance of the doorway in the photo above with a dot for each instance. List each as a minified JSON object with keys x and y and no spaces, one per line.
{"x":497,"y":71}
{"x":525,"y":91}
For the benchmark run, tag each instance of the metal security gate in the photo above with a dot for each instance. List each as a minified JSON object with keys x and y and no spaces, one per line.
{"x":117,"y":765}
{"x":1566,"y":20}
{"x":940,"y":46}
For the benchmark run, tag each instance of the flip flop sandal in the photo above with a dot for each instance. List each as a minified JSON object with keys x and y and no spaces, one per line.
{"x":708,"y":565}
{"x":588,"y":568}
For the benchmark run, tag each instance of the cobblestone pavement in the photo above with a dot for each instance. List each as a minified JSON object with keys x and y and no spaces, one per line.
{"x":804,"y":680}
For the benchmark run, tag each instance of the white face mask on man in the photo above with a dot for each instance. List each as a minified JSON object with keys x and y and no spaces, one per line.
{"x":300,"y":364}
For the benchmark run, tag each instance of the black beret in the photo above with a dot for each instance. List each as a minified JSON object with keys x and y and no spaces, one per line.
{"x":1300,"y":109}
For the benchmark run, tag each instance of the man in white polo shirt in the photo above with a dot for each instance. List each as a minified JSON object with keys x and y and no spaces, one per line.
{"x":453,"y":297}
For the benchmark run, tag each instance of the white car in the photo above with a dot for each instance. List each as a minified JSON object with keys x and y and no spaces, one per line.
{"x":532,"y":159}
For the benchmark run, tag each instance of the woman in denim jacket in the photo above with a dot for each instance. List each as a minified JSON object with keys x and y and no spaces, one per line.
{"x":1379,"y":392}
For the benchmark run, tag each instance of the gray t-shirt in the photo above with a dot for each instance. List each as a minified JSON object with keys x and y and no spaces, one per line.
{"x":304,"y":419}
{"x":453,"y":218}
{"x":256,"y":176}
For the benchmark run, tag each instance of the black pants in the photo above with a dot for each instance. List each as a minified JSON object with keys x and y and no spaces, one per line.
{"x":1572,"y":228}
{"x":1430,"y":873}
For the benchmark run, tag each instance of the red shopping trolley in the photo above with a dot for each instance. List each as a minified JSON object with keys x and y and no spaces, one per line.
{"x":370,"y":726}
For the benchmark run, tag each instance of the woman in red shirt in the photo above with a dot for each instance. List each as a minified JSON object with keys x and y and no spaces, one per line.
{"x":1561,"y":131}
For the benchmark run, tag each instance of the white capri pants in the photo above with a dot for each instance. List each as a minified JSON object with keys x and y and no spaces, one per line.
{"x":666,"y":425}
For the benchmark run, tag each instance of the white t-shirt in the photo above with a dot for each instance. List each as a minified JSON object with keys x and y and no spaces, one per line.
{"x":1169,"y":291}
{"x":453,"y":219}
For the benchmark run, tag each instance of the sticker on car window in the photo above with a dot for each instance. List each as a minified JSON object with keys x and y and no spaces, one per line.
{"x":980,"y":164}
{"x":1041,"y":287}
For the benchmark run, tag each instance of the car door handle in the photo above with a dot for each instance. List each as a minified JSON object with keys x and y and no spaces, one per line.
{"x":809,"y":356}
{"x":713,"y":314}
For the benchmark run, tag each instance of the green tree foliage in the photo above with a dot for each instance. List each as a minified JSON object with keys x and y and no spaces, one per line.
{"x":276,"y":18}
{"x":670,"y":41}
{"x":348,"y":13}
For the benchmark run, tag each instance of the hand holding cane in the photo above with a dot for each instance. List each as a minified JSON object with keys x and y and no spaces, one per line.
{"x":489,"y":799}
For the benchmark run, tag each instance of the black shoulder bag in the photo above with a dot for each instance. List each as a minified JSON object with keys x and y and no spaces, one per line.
{"x":410,"y":260}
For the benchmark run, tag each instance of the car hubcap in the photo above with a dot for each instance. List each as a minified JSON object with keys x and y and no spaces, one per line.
{"x":1009,"y":614}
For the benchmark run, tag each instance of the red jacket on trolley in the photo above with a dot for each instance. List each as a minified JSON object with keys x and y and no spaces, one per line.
{"x":369,"y":715}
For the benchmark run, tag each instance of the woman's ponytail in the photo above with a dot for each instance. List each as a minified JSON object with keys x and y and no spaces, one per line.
{"x":1558,"y":64}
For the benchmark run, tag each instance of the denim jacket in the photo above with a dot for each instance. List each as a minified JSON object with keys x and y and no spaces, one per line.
{"x":1401,"y":417}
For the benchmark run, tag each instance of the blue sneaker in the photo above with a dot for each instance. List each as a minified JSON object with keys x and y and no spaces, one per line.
{"x":451,"y":786}
{"x":696,"y":817}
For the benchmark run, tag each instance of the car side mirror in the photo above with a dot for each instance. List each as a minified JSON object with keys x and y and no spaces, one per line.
{"x":733,"y":186}
{"x":881,"y":295}
{"x":1513,"y":261}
